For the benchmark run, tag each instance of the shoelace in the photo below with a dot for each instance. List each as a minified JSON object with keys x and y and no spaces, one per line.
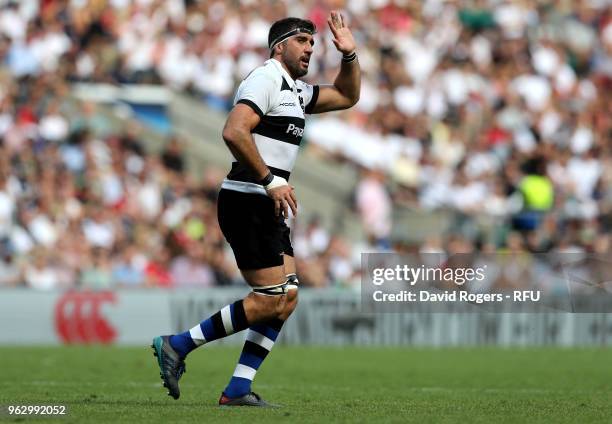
{"x":181,"y":369}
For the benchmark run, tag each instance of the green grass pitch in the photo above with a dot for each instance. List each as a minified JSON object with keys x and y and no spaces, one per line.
{"x":315,"y":384}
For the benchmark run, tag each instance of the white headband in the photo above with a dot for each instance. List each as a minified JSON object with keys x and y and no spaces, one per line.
{"x":286,"y":35}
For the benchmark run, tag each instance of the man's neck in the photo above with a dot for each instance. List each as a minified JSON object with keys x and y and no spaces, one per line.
{"x":284,"y":67}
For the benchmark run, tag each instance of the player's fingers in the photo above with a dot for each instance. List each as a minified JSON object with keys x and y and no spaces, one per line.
{"x":285,"y":208}
{"x":292,"y":205}
{"x":292,"y":194}
{"x":341,"y":20}
{"x":332,"y":27}
{"x":276,"y":207}
{"x":295,"y":204}
{"x":335,"y":15}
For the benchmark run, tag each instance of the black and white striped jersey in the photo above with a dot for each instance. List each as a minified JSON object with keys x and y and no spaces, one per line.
{"x":281,"y":103}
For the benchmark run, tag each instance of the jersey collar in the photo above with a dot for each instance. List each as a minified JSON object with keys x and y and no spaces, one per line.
{"x":283,"y":72}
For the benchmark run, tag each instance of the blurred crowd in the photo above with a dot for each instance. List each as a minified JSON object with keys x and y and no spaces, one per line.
{"x":79,"y":209}
{"x":498,"y":111}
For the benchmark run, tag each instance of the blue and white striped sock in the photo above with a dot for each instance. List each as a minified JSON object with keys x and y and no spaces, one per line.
{"x":259,"y":341}
{"x":229,"y":320}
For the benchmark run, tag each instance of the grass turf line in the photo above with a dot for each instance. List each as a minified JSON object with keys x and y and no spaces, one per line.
{"x":316,"y":384}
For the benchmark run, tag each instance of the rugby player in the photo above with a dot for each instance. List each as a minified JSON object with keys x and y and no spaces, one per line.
{"x":263,"y":132}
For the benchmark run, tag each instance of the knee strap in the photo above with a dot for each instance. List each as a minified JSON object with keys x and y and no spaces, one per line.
{"x":291,"y":282}
{"x":275,"y":290}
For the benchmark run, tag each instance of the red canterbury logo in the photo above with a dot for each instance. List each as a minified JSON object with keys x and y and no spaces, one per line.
{"x":78,"y":318}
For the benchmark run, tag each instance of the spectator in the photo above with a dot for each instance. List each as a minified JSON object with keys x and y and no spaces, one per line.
{"x":190,"y":270}
{"x":40,"y":274}
{"x":98,"y":274}
{"x":374,"y":206}
{"x":10,"y":274}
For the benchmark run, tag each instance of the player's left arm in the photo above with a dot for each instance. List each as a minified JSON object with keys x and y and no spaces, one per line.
{"x":344,"y":93}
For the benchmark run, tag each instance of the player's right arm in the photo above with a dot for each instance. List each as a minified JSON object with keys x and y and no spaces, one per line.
{"x":237,"y":134}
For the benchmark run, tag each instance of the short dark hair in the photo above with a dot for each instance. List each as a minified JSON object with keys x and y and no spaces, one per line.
{"x":286,"y":25}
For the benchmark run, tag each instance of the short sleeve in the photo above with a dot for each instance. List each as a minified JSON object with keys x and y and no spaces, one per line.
{"x":310,"y":94}
{"x":259,"y":91}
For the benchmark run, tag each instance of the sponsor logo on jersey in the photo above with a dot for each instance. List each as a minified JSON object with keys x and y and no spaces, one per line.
{"x":296,"y":131}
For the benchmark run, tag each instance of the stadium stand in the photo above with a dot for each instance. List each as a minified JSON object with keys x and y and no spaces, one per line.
{"x":483,"y":125}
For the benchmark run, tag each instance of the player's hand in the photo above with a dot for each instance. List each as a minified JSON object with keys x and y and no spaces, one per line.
{"x":343,"y":38}
{"x":283,"y":196}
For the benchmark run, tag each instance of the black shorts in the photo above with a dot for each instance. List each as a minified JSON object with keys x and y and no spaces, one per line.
{"x":258,"y":237}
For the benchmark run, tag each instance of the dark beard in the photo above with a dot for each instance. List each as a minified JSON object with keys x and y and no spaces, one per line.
{"x":295,"y":70}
